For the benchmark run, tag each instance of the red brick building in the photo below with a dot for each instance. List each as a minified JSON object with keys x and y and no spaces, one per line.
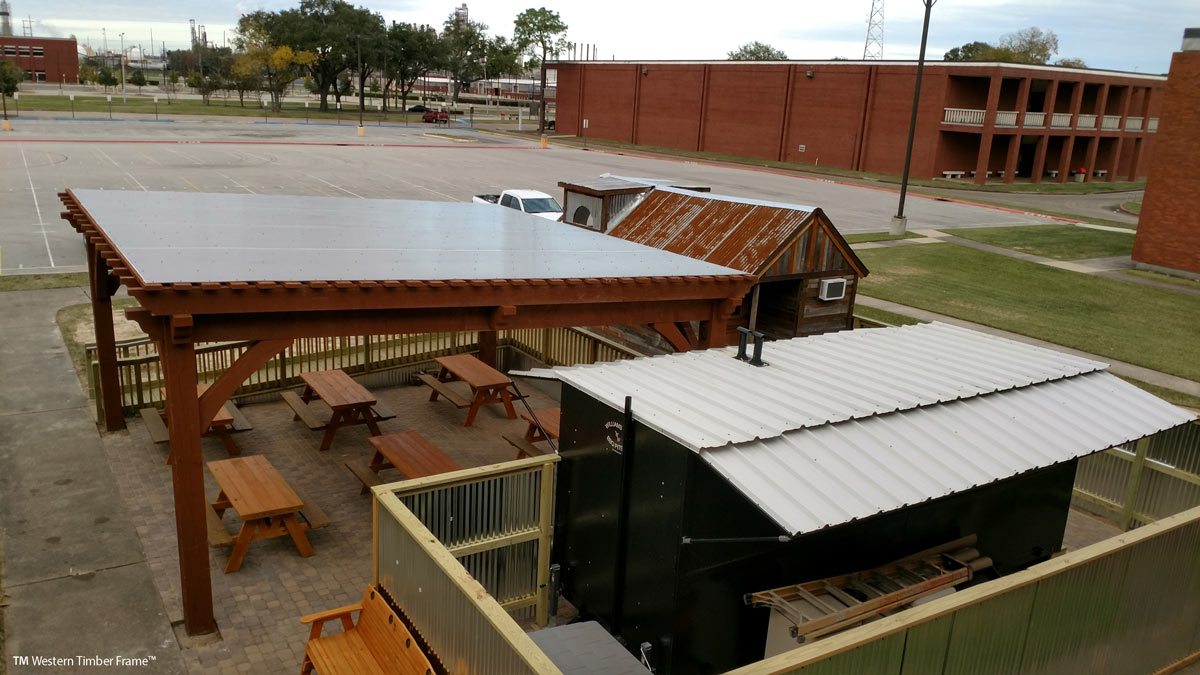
{"x":43,"y":59}
{"x":1169,"y":227}
{"x":1030,"y":121}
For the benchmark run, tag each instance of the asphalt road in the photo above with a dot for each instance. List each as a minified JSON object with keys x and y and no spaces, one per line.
{"x":41,"y":157}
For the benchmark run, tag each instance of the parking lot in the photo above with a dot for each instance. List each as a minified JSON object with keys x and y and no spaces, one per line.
{"x":43,"y":156}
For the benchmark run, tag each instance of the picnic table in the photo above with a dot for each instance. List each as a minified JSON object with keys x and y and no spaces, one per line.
{"x":408,"y":452}
{"x":228,"y":421}
{"x":348,"y":400}
{"x":266,"y":504}
{"x":548,"y":418}
{"x":488,"y":385}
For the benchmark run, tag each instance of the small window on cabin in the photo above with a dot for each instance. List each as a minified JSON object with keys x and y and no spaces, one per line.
{"x":581,"y":216}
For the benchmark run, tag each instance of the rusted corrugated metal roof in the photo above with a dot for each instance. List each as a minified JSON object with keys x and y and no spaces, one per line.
{"x":747,"y":235}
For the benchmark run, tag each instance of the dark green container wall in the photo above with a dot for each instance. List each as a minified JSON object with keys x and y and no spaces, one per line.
{"x":686,"y":600}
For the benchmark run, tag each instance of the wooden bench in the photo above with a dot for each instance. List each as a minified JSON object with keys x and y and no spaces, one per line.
{"x":379,"y":642}
{"x":954,"y":174}
{"x":311,"y":513}
{"x":155,"y":425}
{"x":548,"y":418}
{"x":524,"y":447}
{"x":444,"y":389}
{"x":218,"y":534}
{"x":303,"y":412}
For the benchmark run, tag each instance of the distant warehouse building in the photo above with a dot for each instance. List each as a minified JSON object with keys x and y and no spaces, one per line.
{"x":44,"y":59}
{"x":976,"y":119}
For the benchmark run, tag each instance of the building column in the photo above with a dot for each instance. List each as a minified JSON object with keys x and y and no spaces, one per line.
{"x":178,"y":356}
{"x":1139,"y":141}
{"x":1090,"y":161}
{"x":1064,"y":165}
{"x":1014,"y":143}
{"x":102,"y":286}
{"x":989,"y":130}
{"x":1039,"y":155}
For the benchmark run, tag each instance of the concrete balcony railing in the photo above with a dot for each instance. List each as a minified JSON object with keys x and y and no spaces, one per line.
{"x":963,"y":116}
{"x":1037,"y":120}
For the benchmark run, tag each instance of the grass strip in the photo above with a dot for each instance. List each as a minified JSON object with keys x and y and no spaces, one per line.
{"x":1149,"y":327}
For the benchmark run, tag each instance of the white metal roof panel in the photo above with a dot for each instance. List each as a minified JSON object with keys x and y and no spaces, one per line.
{"x":708,"y":399}
{"x":808,"y":479}
{"x":189,"y":237}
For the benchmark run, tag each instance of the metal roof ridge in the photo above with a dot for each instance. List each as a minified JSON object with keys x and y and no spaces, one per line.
{"x":716,"y":197}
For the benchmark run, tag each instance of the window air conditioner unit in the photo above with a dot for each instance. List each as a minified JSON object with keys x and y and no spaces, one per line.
{"x":832,"y":289}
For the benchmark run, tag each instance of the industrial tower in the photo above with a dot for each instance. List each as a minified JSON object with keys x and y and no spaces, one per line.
{"x":5,"y":19}
{"x":873,"y":49}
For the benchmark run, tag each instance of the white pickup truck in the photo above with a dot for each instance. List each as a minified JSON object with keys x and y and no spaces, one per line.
{"x":532,"y":202}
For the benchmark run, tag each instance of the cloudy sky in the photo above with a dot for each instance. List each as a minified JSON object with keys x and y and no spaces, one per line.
{"x":1128,"y":35}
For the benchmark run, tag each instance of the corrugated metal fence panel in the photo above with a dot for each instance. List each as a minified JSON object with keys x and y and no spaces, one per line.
{"x":1160,"y":495}
{"x":1178,"y":447}
{"x":445,"y":615}
{"x":989,"y":637}
{"x":926,"y":645}
{"x":1058,"y":641}
{"x":1103,"y":476}
{"x":1162,"y":599}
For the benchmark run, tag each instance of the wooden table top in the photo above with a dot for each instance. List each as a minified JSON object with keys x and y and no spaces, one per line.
{"x":254,"y":488}
{"x":338,"y":389}
{"x":412,"y":454}
{"x":473,"y":371}
{"x":549,"y":418}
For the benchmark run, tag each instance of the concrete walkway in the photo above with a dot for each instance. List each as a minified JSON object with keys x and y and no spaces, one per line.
{"x":75,"y":577}
{"x":1116,"y":367}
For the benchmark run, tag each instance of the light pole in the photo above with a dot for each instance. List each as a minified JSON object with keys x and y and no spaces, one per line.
{"x":123,"y":68}
{"x":361,"y":81}
{"x":899,"y":222}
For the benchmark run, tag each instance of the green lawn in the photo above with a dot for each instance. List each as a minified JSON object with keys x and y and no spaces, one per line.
{"x":1061,"y":242}
{"x":1165,"y":278}
{"x":1132,"y":206}
{"x":861,"y":237}
{"x":1141,"y":325}
{"x":34,"y":282}
{"x":90,"y":106}
{"x":884,"y":316}
{"x":1170,"y":395}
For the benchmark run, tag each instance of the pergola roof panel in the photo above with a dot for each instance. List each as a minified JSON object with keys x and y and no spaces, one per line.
{"x":187,"y":237}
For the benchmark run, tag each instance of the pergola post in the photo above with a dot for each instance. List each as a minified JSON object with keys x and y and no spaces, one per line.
{"x":178,"y":356}
{"x":487,"y":347}
{"x":101,"y":290}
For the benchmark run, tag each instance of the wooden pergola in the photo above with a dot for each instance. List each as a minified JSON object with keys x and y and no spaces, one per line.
{"x":270,"y":269}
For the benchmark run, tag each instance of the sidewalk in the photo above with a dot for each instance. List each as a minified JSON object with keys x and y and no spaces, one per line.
{"x":76,"y":579}
{"x":1116,"y":367}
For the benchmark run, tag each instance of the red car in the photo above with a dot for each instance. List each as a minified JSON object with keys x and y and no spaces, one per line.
{"x":436,"y":117}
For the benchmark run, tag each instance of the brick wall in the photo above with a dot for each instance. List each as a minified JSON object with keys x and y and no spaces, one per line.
{"x":1169,"y":227}
{"x":52,"y":60}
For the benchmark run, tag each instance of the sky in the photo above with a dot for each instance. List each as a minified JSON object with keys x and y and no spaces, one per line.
{"x":1129,"y":35}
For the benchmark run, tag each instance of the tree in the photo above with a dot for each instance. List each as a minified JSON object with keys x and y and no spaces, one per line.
{"x":106,"y":78}
{"x":757,"y":51}
{"x":542,"y":31}
{"x":1070,"y":62}
{"x":245,"y":75}
{"x":10,"y":78}
{"x":277,"y":66}
{"x":1028,"y":45}
{"x":138,"y":79}
{"x":205,"y":84}
{"x":87,"y":73}
{"x":466,"y":47}
{"x":971,"y":51}
{"x":412,"y":51}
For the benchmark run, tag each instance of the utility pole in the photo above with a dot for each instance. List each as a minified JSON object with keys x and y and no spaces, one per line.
{"x":899,"y":221}
{"x":123,"y":68}
{"x":873,"y":48}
